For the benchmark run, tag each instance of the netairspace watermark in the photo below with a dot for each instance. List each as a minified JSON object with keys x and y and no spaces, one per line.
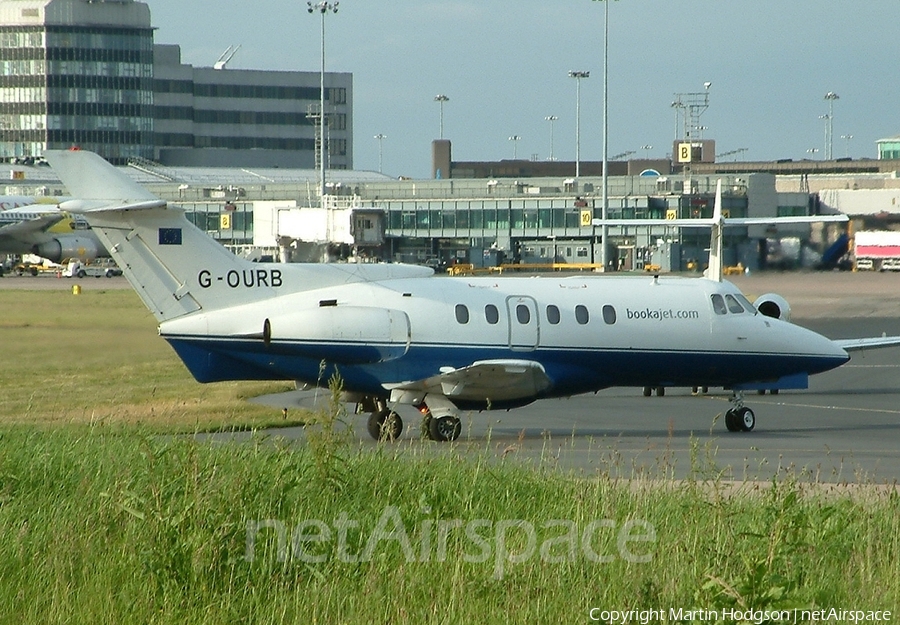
{"x":737,"y":615}
{"x":502,"y":543}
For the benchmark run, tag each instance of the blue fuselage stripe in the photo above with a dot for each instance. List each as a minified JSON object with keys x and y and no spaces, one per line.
{"x":571,"y":370}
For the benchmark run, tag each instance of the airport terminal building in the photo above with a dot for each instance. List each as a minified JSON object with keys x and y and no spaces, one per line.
{"x":74,"y":72}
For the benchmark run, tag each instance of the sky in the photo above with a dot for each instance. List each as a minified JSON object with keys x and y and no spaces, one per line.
{"x":504,"y":65}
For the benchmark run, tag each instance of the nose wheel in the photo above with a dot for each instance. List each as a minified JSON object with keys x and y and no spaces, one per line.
{"x":739,"y":418}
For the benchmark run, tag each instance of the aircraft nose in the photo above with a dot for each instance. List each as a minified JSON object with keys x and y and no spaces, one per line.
{"x":834,"y":353}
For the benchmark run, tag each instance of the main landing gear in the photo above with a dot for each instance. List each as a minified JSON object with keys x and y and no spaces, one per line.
{"x":739,"y":418}
{"x":384,"y":425}
{"x":439,"y":420}
{"x":441,"y":429}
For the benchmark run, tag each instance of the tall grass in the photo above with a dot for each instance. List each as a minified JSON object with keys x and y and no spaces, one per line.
{"x":102,"y":520}
{"x":122,"y":526}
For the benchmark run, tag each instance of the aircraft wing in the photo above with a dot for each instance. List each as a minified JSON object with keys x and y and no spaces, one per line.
{"x":493,"y":380}
{"x":23,"y":231}
{"x":868,"y":343}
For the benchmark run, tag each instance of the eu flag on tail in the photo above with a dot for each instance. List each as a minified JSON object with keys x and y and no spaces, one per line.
{"x":170,"y":236}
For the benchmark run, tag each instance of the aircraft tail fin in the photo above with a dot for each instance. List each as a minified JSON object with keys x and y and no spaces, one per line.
{"x":174,"y":267}
{"x":88,"y":176}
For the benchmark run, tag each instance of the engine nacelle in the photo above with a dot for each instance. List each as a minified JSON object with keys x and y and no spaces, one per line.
{"x":70,"y":246}
{"x":773,"y":305}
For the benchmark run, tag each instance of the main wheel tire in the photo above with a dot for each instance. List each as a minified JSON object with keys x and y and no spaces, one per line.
{"x":746,"y":419}
{"x":648,"y":391}
{"x":384,"y":425}
{"x":660,"y":391}
{"x":444,"y":429}
{"x":731,"y":421}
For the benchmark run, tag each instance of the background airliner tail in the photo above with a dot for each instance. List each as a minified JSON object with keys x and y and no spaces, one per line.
{"x":174,"y":267}
{"x":715,"y":269}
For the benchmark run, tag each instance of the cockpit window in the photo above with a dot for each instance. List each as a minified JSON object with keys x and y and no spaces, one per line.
{"x":733,"y":305}
{"x":718,"y":303}
{"x":745,"y":303}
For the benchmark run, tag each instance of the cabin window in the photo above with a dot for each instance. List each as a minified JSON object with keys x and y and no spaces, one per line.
{"x":552,"y":314}
{"x":462,"y":313}
{"x":491,"y":314}
{"x":581,"y":314}
{"x":523,"y":314}
{"x":733,"y":305}
{"x":609,"y":314}
{"x":719,"y":304}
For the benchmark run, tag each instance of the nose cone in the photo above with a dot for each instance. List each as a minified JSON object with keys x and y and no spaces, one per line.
{"x":827,"y":354}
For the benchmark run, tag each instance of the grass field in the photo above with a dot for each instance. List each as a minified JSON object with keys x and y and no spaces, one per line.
{"x":97,"y":358}
{"x":109,"y":515}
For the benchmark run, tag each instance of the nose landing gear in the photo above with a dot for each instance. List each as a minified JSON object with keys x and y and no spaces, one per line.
{"x":739,"y":418}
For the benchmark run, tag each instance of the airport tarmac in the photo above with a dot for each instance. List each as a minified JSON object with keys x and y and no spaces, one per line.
{"x":844,"y":428}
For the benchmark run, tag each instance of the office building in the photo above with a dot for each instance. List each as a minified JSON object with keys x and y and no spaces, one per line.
{"x":87,"y":73}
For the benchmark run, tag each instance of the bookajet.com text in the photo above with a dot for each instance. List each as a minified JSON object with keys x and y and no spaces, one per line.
{"x":660,"y":314}
{"x":835,"y":615}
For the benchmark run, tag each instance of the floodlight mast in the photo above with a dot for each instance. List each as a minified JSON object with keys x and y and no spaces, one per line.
{"x":440,"y":99}
{"x":578,"y":75}
{"x":323,"y":8}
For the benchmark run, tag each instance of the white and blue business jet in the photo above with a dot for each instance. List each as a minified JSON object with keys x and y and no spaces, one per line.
{"x":398,"y":335}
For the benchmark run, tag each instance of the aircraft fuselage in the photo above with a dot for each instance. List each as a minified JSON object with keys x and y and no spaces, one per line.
{"x":587,"y":333}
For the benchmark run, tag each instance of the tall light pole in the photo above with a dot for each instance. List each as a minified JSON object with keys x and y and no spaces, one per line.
{"x":515,"y":140}
{"x":578,"y":75}
{"x":381,"y":137}
{"x":604,"y":228}
{"x":551,"y":119}
{"x":831,"y":96}
{"x":440,"y":99}
{"x":847,"y":139}
{"x":826,"y":119}
{"x":323,"y":8}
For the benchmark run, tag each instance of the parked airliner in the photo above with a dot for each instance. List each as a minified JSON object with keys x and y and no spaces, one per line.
{"x":398,"y":335}
{"x":37,"y":226}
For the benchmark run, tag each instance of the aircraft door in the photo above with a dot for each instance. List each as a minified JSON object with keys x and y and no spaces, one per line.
{"x":524,"y":326}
